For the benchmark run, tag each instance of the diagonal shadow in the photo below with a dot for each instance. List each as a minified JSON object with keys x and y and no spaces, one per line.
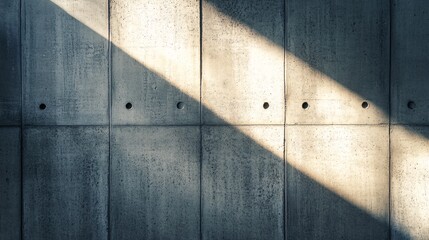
{"x":339,"y":39}
{"x":241,"y":211}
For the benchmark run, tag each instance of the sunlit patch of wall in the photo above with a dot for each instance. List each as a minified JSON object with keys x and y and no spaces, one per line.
{"x":242,"y":69}
{"x":155,"y":47}
{"x":410,"y":176}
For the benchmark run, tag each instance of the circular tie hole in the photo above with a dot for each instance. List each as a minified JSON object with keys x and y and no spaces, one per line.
{"x":365,"y":104}
{"x":42,"y":106}
{"x":180,"y":105}
{"x":411,"y":105}
{"x":305,"y":105}
{"x":266,"y":105}
{"x":129,"y":106}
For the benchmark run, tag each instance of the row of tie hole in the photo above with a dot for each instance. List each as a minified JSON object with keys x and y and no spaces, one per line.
{"x":179,"y":105}
{"x":266,"y":105}
{"x":365,"y":105}
{"x":410,"y":105}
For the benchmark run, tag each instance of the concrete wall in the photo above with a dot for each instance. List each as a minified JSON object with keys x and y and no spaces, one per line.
{"x":214,"y":119}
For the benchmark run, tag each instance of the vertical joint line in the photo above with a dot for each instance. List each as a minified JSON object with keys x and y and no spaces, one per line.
{"x":201,"y":115}
{"x":21,"y":78}
{"x":284,"y":121}
{"x":390,"y":117}
{"x":109,"y":72}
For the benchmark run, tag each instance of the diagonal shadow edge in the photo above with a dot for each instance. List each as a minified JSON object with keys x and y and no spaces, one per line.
{"x":316,"y":185}
{"x":304,"y":41}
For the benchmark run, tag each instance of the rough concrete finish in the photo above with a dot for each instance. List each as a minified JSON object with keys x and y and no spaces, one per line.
{"x":337,"y":182}
{"x":242,"y":183}
{"x":65,"y":182}
{"x":10,"y":81}
{"x":10,"y":183}
{"x":241,"y":68}
{"x":410,"y":71}
{"x":337,"y":57}
{"x":155,"y":183}
{"x":155,"y":61}
{"x":65,"y":64}
{"x":410,"y":178}
{"x":222,"y":176}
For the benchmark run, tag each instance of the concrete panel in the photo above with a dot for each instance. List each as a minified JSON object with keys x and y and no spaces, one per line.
{"x":10,"y":81}
{"x":65,"y":182}
{"x":337,"y":58}
{"x":410,"y":178}
{"x":337,"y":182}
{"x":243,"y":62}
{"x":10,"y":184}
{"x":410,"y":51}
{"x":155,"y":183}
{"x":156,"y":62}
{"x":242,"y":182}
{"x":65,"y":62}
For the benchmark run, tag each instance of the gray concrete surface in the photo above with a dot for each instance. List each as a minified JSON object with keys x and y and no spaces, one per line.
{"x":10,"y":72}
{"x":410,"y":72}
{"x":410,"y":177}
{"x":240,"y":68}
{"x":242,"y":182}
{"x":10,"y":183}
{"x":337,"y":182}
{"x":337,"y":58}
{"x":65,"y":65}
{"x":156,"y":62}
{"x":155,"y":184}
{"x":65,"y":182}
{"x":409,"y":106}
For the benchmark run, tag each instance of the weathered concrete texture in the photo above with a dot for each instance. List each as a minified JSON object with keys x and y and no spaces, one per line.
{"x":156,"y":61}
{"x":337,"y":58}
{"x":242,"y":182}
{"x":65,"y":182}
{"x":410,"y":71}
{"x":155,"y":183}
{"x":337,"y":182}
{"x":10,"y":81}
{"x":65,"y":63}
{"x":243,"y":68}
{"x":10,"y":184}
{"x":410,"y":178}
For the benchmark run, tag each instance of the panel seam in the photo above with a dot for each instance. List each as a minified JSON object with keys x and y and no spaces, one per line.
{"x":201,"y":115}
{"x":109,"y":169}
{"x":285,"y":203}
{"x":389,"y":220}
{"x":21,"y":76}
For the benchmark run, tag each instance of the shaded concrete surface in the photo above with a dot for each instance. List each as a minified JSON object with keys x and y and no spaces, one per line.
{"x":10,"y":183}
{"x":410,"y":177}
{"x":10,"y":80}
{"x":65,"y":182}
{"x":50,"y":210}
{"x":242,"y":182}
{"x":65,"y":65}
{"x":155,"y":191}
{"x":351,"y":160}
{"x":410,"y":72}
